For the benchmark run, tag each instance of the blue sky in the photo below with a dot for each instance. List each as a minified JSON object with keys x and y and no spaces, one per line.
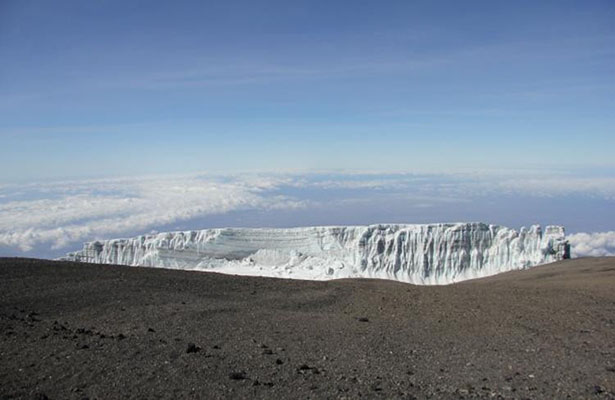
{"x":104,"y":88}
{"x":122,"y":117}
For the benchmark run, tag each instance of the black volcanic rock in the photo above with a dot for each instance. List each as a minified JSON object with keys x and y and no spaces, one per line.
{"x":548,"y":332}
{"x":192,"y":348}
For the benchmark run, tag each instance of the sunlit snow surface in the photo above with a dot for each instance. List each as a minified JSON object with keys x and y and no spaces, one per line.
{"x":420,"y":254}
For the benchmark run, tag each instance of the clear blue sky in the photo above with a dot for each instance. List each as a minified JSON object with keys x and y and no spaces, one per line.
{"x":132,"y":87}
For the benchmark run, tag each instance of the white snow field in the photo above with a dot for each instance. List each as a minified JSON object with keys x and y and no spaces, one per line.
{"x":429,"y":254}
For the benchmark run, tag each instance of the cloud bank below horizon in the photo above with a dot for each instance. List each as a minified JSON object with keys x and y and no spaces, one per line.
{"x":70,"y":212}
{"x":47,"y":219}
{"x":596,"y":244}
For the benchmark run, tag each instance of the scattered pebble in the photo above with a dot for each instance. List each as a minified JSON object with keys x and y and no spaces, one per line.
{"x":598,"y":389}
{"x":304,"y":368}
{"x":192,"y":348}
{"x":237,"y":376}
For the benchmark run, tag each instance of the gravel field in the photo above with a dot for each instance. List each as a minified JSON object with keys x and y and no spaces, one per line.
{"x":77,"y":331}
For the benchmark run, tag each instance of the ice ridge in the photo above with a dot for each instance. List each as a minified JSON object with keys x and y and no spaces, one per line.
{"x":421,"y":254}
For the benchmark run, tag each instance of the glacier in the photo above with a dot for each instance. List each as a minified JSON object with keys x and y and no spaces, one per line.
{"x":426,"y":254}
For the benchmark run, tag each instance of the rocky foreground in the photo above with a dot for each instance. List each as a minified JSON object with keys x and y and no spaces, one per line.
{"x":77,"y":331}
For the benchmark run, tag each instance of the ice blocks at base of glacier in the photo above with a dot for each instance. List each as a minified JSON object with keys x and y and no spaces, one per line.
{"x":420,"y":254}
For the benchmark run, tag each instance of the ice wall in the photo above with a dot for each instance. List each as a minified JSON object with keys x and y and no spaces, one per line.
{"x":420,"y":254}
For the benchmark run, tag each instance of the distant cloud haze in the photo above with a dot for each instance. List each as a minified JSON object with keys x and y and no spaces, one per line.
{"x":54,"y":217}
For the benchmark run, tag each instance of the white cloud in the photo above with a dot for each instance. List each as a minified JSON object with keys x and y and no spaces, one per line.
{"x":597,"y":244}
{"x":68,"y":212}
{"x":58,"y":215}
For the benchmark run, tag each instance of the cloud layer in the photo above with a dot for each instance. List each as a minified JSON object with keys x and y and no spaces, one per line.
{"x":597,"y":244}
{"x":58,"y":216}
{"x":76,"y":211}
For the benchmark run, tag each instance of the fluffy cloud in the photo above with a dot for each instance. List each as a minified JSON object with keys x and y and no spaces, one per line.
{"x":596,"y":244}
{"x":66,"y":212}
{"x":59,"y":215}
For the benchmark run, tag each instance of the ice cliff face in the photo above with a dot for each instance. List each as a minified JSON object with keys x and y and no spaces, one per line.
{"x":420,"y":254}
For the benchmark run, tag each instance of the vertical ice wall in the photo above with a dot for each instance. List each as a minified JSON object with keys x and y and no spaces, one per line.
{"x":421,"y":254}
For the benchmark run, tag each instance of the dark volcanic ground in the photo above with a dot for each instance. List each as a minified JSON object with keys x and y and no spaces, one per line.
{"x":76,"y":331}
